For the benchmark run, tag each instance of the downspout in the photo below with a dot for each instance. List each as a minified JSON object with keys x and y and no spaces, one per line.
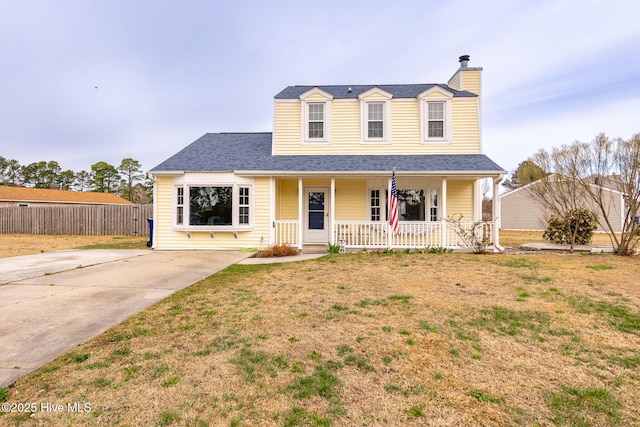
{"x":496,"y":210}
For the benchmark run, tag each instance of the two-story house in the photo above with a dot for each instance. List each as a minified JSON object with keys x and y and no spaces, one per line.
{"x":324,"y":175}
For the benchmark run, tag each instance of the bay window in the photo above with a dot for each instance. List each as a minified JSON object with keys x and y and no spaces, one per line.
{"x":213,"y":207}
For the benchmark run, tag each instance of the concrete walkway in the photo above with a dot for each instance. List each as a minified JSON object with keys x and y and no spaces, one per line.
{"x":51,"y":302}
{"x":565,"y":247}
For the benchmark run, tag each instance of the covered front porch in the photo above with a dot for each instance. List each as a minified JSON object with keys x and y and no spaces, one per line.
{"x":351,"y":211}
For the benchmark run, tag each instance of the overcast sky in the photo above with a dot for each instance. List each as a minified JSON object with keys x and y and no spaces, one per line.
{"x":83,"y":81}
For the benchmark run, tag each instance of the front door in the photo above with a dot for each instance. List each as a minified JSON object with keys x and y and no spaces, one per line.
{"x":316,"y":212}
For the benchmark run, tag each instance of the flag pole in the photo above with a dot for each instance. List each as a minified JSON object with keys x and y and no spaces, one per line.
{"x":393,"y":205}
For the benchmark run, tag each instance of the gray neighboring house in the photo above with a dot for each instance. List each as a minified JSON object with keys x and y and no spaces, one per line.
{"x":520,"y":211}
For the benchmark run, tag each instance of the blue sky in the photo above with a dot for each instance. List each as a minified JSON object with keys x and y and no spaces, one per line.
{"x":83,"y":81}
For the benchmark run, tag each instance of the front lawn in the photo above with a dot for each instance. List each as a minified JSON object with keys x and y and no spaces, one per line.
{"x":367,"y":339}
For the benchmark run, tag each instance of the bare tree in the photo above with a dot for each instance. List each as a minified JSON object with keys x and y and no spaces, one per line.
{"x":559,"y":192}
{"x":583,"y":175}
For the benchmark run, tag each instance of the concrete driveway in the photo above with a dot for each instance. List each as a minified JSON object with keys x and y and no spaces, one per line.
{"x":51,"y":302}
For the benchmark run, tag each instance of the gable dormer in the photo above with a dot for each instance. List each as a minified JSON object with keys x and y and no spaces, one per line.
{"x":434,"y":105}
{"x":315,"y":110}
{"x":375,"y":115}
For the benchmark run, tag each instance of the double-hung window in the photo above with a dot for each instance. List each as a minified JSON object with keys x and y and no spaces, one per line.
{"x":316,"y":121}
{"x":180,"y":206}
{"x":243,"y":205}
{"x":214,"y":207}
{"x":375,"y":213}
{"x":433,"y":205}
{"x":435,"y":115}
{"x":316,"y":116}
{"x":435,"y":119}
{"x":375,"y":116}
{"x":375,"y":120}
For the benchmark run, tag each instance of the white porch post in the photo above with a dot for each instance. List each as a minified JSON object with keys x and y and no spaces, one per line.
{"x":272,"y":212}
{"x":443,"y":210}
{"x":477,"y":200}
{"x":300,"y":212}
{"x":332,"y":210}
{"x":389,"y":229}
{"x":496,"y":213}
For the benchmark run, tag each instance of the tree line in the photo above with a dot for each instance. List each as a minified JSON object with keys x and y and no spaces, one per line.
{"x":127,"y":180}
{"x":574,"y":178}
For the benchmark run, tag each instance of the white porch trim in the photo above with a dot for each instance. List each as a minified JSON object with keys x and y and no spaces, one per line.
{"x":332,"y":209}
{"x":443,"y":211}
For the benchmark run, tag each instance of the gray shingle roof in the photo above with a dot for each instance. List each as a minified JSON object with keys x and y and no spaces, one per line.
{"x":227,"y":152}
{"x":342,"y":91}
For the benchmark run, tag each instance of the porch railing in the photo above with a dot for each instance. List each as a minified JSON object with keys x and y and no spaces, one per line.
{"x":369,"y":234}
{"x":286,"y":232}
{"x":372,"y":234}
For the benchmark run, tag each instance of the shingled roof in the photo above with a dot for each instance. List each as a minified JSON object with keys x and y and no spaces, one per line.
{"x":250,"y":153}
{"x":43,"y":195}
{"x":352,"y":92}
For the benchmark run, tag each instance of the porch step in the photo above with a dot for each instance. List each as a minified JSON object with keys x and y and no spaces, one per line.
{"x":315,"y":249}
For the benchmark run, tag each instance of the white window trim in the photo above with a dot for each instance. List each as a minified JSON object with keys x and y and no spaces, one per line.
{"x":235,"y":208}
{"x":383,"y":204}
{"x":304,"y":112}
{"x":441,"y":95}
{"x":429,"y":205}
{"x":364,"y":116}
{"x":424,"y":122}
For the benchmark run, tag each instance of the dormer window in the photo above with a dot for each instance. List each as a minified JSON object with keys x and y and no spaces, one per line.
{"x":375,"y":113}
{"x":375,"y":120}
{"x":316,"y":121}
{"x":435,"y":119}
{"x":435,"y":115}
{"x":316,"y":115}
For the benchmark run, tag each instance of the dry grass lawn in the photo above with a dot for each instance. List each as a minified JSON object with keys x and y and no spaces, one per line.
{"x":516,"y":238}
{"x":367,"y":340}
{"x":26,"y":244}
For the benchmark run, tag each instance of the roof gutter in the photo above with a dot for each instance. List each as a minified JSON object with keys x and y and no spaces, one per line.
{"x":487,"y":173}
{"x":165,"y":173}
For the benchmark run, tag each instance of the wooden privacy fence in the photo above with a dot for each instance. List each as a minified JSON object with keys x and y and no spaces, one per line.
{"x":117,"y":220}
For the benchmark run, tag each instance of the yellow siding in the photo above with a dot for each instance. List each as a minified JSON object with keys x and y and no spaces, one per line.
{"x":316,"y":97}
{"x":345,"y":123}
{"x":286,"y":127}
{"x":460,"y":199}
{"x":375,"y":96}
{"x":287,"y":199}
{"x":454,"y":82}
{"x":405,"y":130}
{"x":464,"y":127}
{"x":351,"y":200}
{"x":169,"y":239}
{"x":405,"y":127}
{"x":437,"y":94}
{"x":471,"y":81}
{"x":163,"y":219}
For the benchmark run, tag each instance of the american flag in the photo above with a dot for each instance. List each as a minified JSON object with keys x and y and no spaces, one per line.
{"x":393,"y":205}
